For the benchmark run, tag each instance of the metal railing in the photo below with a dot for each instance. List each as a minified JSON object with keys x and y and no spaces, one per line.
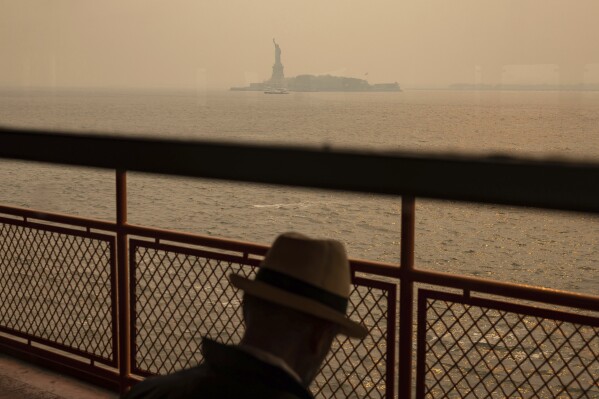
{"x":110,"y":301}
{"x":176,"y":291}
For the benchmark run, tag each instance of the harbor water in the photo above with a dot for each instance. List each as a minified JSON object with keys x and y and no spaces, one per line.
{"x":545,"y":248}
{"x":552,"y":249}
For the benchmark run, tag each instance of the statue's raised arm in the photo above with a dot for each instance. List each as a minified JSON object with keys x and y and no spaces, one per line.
{"x":277,"y":52}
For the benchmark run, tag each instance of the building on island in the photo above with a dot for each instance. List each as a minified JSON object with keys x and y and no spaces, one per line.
{"x":313,"y":82}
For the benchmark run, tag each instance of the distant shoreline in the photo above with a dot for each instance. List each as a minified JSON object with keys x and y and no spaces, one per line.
{"x":191,"y":91}
{"x":502,"y":87}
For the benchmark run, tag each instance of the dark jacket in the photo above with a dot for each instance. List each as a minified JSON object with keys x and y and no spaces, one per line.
{"x":226,"y":372}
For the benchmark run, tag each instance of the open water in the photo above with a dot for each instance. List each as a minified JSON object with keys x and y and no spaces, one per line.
{"x":553,"y":249}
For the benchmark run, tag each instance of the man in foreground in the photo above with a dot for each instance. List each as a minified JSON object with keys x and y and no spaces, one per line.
{"x":292,"y":311}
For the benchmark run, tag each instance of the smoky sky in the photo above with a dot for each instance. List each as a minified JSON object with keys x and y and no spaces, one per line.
{"x":220,"y":43}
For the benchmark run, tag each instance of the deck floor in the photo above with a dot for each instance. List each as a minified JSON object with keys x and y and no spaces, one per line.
{"x":19,"y":379}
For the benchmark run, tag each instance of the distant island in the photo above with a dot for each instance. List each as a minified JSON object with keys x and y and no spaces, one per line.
{"x":313,"y":82}
{"x":524,"y":87}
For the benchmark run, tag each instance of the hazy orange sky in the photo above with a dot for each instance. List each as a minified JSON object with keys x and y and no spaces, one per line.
{"x":220,"y":43}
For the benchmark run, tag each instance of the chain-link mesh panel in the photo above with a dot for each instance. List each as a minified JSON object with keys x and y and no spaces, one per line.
{"x":56,"y":286}
{"x":181,"y":297}
{"x":489,"y":350}
{"x":353,"y":368}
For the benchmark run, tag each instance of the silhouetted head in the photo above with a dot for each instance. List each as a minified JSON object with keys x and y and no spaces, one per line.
{"x":297,"y":303}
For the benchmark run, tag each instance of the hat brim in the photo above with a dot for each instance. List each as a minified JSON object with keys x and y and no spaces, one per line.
{"x":268,"y":292}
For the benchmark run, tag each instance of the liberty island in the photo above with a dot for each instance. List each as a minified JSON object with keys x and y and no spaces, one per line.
{"x":313,"y":82}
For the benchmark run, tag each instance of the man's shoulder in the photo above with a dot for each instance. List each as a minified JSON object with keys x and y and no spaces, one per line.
{"x":181,"y":384}
{"x":206,"y":383}
{"x":226,"y":373}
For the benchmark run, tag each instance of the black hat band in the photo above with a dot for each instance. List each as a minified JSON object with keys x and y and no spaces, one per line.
{"x":301,"y":288}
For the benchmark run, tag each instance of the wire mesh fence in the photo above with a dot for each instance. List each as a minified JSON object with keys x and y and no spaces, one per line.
{"x":366,"y":368}
{"x":180,"y":295}
{"x":480,"y":348}
{"x":56,"y":288}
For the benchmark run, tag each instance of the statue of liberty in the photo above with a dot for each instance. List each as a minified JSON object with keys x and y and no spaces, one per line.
{"x":277,"y":78}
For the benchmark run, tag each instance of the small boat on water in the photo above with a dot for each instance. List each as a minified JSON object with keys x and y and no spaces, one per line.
{"x":279,"y":90}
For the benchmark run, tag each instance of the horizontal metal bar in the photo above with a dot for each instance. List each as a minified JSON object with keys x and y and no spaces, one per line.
{"x":162,"y":234}
{"x":96,"y":375}
{"x":424,"y":294}
{"x":141,"y":372}
{"x":53,"y":344}
{"x":58,"y":218}
{"x":551,"y":183}
{"x":134,"y":244}
{"x":520,"y":291}
{"x":56,"y":229}
{"x":380,"y":285}
{"x":376,"y":268}
{"x":196,"y":239}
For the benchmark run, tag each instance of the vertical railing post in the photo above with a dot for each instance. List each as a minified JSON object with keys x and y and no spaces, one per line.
{"x":124,"y":349}
{"x":406,"y":296}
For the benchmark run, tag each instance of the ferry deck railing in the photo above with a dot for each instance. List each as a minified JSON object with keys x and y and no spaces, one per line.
{"x":111,"y":302}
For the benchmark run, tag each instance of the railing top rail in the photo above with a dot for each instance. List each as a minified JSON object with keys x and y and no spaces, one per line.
{"x":196,"y":239}
{"x":549,"y":183}
{"x":475,"y":284}
{"x":58,"y":218}
{"x":505,"y":289}
{"x":163,"y":234}
{"x":374,"y":267}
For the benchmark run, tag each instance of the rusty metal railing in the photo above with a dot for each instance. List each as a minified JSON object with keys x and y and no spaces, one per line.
{"x":180,"y":293}
{"x":57,"y":288}
{"x":489,"y":348}
{"x":135,"y":289}
{"x":177,"y":291}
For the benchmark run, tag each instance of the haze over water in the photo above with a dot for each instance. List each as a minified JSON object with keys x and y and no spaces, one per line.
{"x":552,"y":249}
{"x":187,"y":44}
{"x":162,"y":69}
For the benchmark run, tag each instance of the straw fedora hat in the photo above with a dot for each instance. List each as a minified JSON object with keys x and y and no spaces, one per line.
{"x":308,"y":275}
